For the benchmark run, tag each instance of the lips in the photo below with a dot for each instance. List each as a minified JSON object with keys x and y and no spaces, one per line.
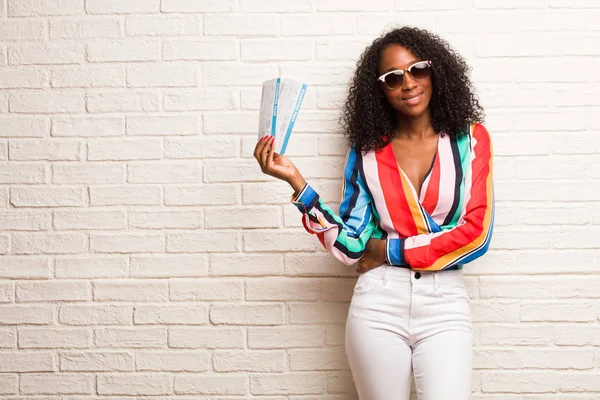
{"x":413,"y":99}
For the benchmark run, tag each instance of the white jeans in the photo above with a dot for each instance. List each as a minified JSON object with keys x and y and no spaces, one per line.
{"x":398,"y":324}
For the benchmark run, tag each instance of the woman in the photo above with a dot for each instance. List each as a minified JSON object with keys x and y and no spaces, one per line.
{"x":417,"y":205}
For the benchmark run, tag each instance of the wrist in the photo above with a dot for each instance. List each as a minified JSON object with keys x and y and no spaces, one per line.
{"x":297,"y":182}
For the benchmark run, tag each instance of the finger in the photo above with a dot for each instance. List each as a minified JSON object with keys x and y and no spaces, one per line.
{"x":271,"y":151}
{"x":263,"y":153}
{"x":258,"y":147}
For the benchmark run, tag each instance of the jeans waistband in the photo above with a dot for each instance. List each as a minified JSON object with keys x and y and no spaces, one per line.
{"x":392,"y":273}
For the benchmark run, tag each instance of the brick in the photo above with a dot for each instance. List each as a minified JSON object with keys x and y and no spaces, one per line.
{"x":318,"y":359}
{"x":289,"y":383}
{"x":335,"y":335}
{"x":203,"y":242}
{"x":47,"y":197}
{"x":142,"y":338}
{"x":203,"y":50}
{"x":89,"y":220}
{"x":558,"y":312}
{"x":45,"y":150}
{"x":183,"y":125}
{"x":23,"y":78}
{"x":199,"y":148}
{"x":135,"y":384}
{"x":88,"y":127}
{"x":89,"y":314}
{"x":211,"y":385}
{"x":123,"y":50}
{"x":274,"y":192}
{"x":87,"y":173}
{"x":517,"y":335}
{"x":275,"y":6}
{"x":520,"y":382}
{"x":18,"y":8}
{"x":168,"y":266}
{"x":356,"y":5}
{"x":206,"y":338}
{"x":201,"y":195}
{"x":52,"y":291}
{"x":233,"y":122}
{"x":122,"y":6}
{"x":88,"y":77}
{"x":127,"y":243}
{"x":517,"y":287}
{"x":164,"y":172}
{"x":24,"y":127}
{"x":233,"y":171}
{"x":125,"y":195}
{"x":56,"y":101}
{"x":63,"y":384}
{"x":205,"y":290}
{"x":337,"y":289}
{"x":192,"y":100}
{"x":246,"y":217}
{"x":26,"y":315}
{"x":25,"y":267}
{"x":252,"y":361}
{"x":298,"y":289}
{"x":40,"y":54}
{"x":171,"y":315}
{"x":494,"y":311}
{"x":124,"y":149}
{"x":279,"y":240}
{"x":101,"y":28}
{"x":227,"y":74}
{"x":132,"y":100}
{"x":318,"y":24}
{"x":241,"y":24}
{"x":24,"y":221}
{"x":317,"y":74}
{"x":166,"y":219}
{"x":26,"y":362}
{"x":130,"y":290}
{"x":9,"y":384}
{"x":246,"y":264}
{"x":91,"y":267}
{"x":162,"y":75}
{"x":318,"y":313}
{"x":240,"y":314}
{"x":48,"y":243}
{"x":8,"y":340}
{"x":192,"y":6}
{"x":164,"y":25}
{"x":96,"y":361}
{"x":173,"y":361}
{"x":54,"y":338}
{"x":276,"y":49}
{"x":581,"y":381}
{"x":284,"y":337}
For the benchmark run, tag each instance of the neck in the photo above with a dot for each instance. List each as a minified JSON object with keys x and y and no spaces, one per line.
{"x":414,"y":128}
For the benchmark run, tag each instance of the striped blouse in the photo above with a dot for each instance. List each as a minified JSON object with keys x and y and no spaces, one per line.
{"x":445,"y":226}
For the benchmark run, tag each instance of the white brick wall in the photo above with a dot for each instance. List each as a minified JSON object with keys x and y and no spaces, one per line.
{"x":144,"y":254}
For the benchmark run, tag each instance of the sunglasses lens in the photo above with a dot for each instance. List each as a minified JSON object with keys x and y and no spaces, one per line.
{"x":394,"y":80}
{"x":420,"y":70}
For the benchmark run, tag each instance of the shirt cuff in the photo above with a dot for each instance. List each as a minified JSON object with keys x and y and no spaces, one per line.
{"x":394,"y":252}
{"x":306,"y":199}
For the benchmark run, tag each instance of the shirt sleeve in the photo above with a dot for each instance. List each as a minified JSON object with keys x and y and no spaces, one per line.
{"x":346,"y":234}
{"x":470,"y":239}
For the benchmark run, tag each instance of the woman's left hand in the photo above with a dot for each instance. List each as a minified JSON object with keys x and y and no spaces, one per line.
{"x":374,"y":256}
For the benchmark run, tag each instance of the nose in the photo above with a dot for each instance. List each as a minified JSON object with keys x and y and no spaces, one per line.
{"x":408,"y":82}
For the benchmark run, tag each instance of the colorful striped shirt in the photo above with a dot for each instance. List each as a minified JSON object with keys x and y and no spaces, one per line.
{"x":448,"y":224}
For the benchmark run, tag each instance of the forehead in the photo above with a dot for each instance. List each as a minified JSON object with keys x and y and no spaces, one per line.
{"x":396,"y":56}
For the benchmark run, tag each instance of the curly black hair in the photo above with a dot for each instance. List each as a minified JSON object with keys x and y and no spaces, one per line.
{"x":367,"y":117}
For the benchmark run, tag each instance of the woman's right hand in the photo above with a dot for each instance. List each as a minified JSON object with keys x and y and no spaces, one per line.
{"x":276,"y":165}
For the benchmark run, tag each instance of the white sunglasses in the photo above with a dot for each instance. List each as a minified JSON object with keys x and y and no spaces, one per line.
{"x":394,"y":79}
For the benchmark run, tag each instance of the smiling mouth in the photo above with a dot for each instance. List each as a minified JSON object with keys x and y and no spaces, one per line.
{"x":412,"y":98}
